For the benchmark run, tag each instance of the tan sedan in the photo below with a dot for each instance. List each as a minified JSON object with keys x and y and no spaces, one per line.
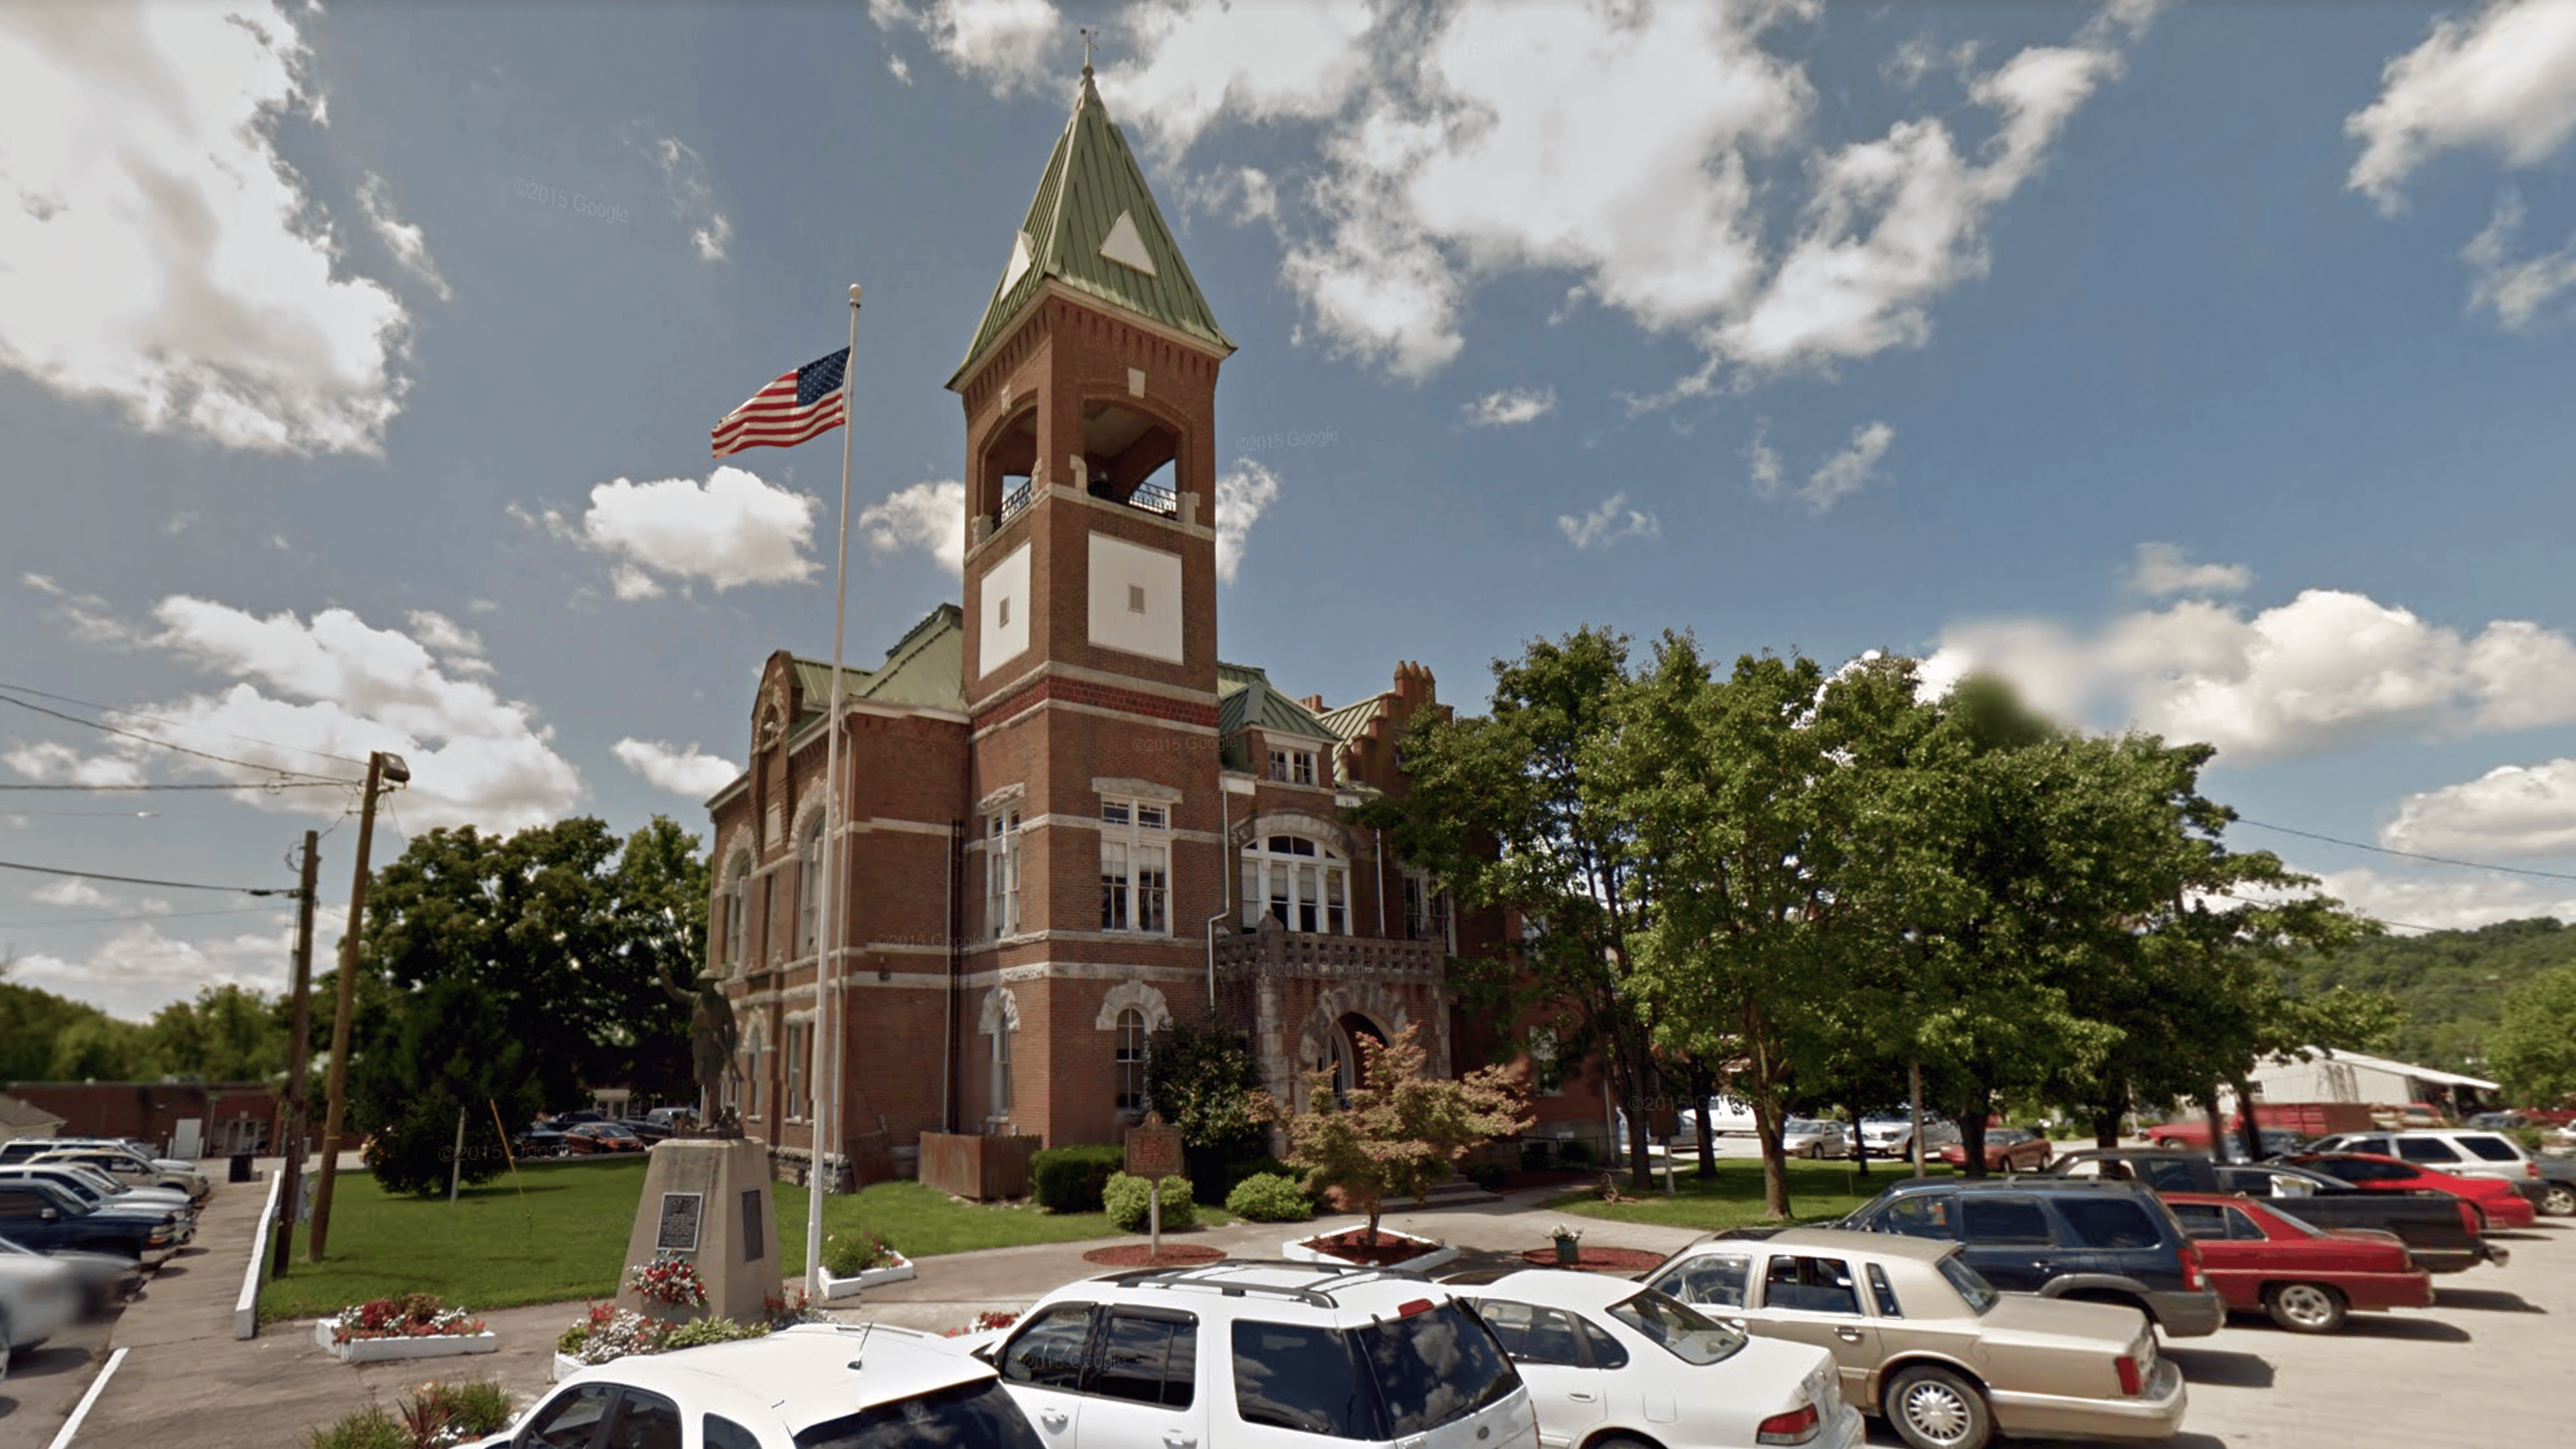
{"x":1927,"y":1343}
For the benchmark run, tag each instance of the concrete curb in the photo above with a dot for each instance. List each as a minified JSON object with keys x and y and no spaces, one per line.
{"x":246,"y":1306}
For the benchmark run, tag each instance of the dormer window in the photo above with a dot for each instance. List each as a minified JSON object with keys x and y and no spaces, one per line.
{"x":1294,"y":767}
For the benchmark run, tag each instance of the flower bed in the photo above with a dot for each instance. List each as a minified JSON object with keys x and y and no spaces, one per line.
{"x":896,"y":1270}
{"x":860,"y":1260}
{"x":669,"y":1279}
{"x":416,"y":1326}
{"x":1596,"y":1260}
{"x":610,"y":1332}
{"x":1141,"y":1255}
{"x":1350,"y":1249}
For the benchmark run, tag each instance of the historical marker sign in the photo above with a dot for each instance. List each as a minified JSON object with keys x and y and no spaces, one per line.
{"x":678,"y":1232}
{"x":1153,"y":1150}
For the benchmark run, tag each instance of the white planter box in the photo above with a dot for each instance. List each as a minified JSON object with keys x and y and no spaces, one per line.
{"x":389,"y":1350}
{"x":894,"y":1272}
{"x":1433,"y":1255}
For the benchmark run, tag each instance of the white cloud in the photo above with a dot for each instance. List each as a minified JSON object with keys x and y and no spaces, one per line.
{"x":2514,"y":289}
{"x":1850,"y":470}
{"x":2325,"y":670}
{"x":733,"y":530}
{"x":1243,"y":493}
{"x":2504,"y":80}
{"x":1239,"y":194}
{"x":691,"y":192}
{"x":442,"y":635}
{"x":2164,"y":569}
{"x":1608,"y":524}
{"x":929,"y":516}
{"x":162,"y":255}
{"x":680,"y":770}
{"x":86,"y":615}
{"x":630,"y":583}
{"x":58,"y":764}
{"x":2512,"y":810}
{"x":334,"y":686}
{"x":1770,"y":472}
{"x":2446,"y":901}
{"x":900,"y":69}
{"x":1264,"y":62}
{"x":180,"y":522}
{"x":1009,"y":44}
{"x":72,"y":891}
{"x":409,"y":247}
{"x":1510,"y":406}
{"x":139,"y":970}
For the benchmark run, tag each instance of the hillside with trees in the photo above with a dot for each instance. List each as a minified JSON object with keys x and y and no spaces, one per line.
{"x":2452,"y":985}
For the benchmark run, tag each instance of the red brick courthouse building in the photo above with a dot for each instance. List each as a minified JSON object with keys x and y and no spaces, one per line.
{"x":1068,"y":821}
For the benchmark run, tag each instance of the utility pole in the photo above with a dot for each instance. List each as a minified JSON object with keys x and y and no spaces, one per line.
{"x":1913,"y":1108}
{"x":297,"y":1059}
{"x":382,"y":769}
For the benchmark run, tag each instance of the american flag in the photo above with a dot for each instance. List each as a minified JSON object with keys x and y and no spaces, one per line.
{"x":799,"y":406}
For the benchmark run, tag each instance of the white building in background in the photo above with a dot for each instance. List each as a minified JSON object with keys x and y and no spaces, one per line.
{"x":2347,"y":1076}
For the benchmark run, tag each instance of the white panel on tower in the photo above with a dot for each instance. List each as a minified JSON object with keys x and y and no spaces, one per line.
{"x":1002,"y":634}
{"x":1135,"y":598}
{"x":1126,"y":246}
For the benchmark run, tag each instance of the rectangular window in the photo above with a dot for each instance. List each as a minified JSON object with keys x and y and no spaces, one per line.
{"x":797,"y":1052}
{"x":1002,"y":1034}
{"x":2493,"y":1149}
{"x":1148,"y":1359}
{"x":2105,"y":1223}
{"x":1295,"y":767}
{"x":1135,"y":867}
{"x":2425,"y":1149}
{"x":1114,"y":885}
{"x":1810,"y":1285}
{"x":1153,"y":889}
{"x":1002,"y":872}
{"x":1301,"y":1377}
{"x":2007,"y":1220}
{"x":1545,"y":1072}
{"x":1135,"y":598}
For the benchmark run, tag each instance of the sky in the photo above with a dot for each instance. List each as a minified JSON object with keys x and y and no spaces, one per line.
{"x":2207,"y":369}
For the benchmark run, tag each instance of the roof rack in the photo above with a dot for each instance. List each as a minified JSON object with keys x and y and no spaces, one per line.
{"x":1315,"y":1295}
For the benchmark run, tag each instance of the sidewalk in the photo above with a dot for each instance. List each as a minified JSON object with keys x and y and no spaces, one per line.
{"x":188,"y":1382}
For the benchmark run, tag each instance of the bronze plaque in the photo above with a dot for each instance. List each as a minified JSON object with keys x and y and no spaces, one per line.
{"x":1153,"y":1150}
{"x":678,"y":1232}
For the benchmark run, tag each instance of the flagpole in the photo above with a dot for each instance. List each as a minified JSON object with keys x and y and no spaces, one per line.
{"x":827,"y":1003}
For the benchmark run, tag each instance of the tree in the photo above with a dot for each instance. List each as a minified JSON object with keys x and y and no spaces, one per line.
{"x":448,"y":1067}
{"x":1509,"y":812}
{"x":1200,"y":1078}
{"x":1397,"y":1132}
{"x":34,"y":1025}
{"x":227,"y":1034}
{"x":2533,"y":1050}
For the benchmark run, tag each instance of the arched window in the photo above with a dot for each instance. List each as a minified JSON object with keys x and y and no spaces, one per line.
{"x":1131,"y":1060}
{"x":737,"y":899}
{"x":809,"y":887}
{"x":1002,"y":1070}
{"x":1303,"y":882}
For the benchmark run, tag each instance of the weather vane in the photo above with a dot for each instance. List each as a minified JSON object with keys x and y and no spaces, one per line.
{"x":1088,"y":32}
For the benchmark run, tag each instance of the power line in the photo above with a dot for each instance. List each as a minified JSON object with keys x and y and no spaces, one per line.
{"x":178,"y":724}
{"x":92,"y":814}
{"x":176,"y":885}
{"x":164,"y":744}
{"x":248,"y":785}
{"x":2410,"y":855}
{"x":139,"y":916}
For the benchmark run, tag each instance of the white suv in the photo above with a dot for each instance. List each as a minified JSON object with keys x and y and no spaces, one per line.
{"x":1255,"y":1355}
{"x":1891,"y":1133}
{"x":2459,"y":1151}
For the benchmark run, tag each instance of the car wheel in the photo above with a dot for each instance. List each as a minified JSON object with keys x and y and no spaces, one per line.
{"x":2304,"y":1307}
{"x":1933,"y":1408}
{"x":2558,"y":1200}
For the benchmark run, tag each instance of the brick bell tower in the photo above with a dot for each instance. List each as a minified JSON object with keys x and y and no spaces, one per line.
{"x":1089,"y":658}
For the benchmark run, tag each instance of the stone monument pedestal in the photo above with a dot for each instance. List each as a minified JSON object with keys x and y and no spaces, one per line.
{"x":706,"y":1199}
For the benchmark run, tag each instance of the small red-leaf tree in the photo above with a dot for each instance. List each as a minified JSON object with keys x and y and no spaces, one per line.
{"x":1398,"y":1133}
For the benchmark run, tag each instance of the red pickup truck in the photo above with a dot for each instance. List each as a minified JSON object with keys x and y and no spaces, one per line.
{"x":2307,"y":1119}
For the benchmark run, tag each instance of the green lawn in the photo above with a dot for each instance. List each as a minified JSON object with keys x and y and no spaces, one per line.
{"x":1733,"y":1199}
{"x":559,"y":1232}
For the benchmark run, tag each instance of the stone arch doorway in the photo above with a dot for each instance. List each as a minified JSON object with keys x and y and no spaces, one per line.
{"x":1351,"y":1035}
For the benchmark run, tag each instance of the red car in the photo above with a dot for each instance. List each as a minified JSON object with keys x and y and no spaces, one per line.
{"x":2306,"y":1279}
{"x":2008,"y":1149}
{"x":592,"y":1137}
{"x":2493,"y":1197}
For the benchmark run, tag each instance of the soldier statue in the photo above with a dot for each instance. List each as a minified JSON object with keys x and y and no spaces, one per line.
{"x":713,"y":1040}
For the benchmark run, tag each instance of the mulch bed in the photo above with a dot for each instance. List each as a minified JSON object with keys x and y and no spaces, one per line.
{"x":1352,"y":1246}
{"x":1141,"y":1255}
{"x":1597,"y":1260}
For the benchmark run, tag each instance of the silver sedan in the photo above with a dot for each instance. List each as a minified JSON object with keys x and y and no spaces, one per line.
{"x":1810,"y":1137}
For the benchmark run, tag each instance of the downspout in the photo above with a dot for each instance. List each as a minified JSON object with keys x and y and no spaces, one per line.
{"x":948,"y":954}
{"x":1224,"y":882}
{"x":1381,"y":882}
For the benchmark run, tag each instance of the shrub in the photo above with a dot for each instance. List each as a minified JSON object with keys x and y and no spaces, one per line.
{"x":1270,"y":1197}
{"x":1069,"y":1179}
{"x":1128,"y":1201}
{"x":711,"y":1330}
{"x":1574,"y":1152}
{"x":1488,"y":1175}
{"x":848,"y":1254}
{"x":444,"y":1414}
{"x":369,"y":1428}
{"x":611,"y":1332}
{"x":1238,"y":1172}
{"x":1534,"y":1157}
{"x":414,"y":1315}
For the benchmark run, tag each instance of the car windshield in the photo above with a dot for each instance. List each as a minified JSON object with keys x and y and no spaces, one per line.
{"x":969,"y":1416}
{"x":81,"y":1192}
{"x":1973,"y":1288}
{"x":1434,"y":1367}
{"x":1678,"y":1329}
{"x":1803,"y":1124}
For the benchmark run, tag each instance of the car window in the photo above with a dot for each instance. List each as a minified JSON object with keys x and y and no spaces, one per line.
{"x":1973,"y":1288}
{"x":2352,"y":1170}
{"x":2200,"y":1219}
{"x":1679,"y":1329}
{"x":2110,"y":1222}
{"x":2006,"y":1220}
{"x":2425,"y":1149}
{"x":1883,"y":1293}
{"x":1296,"y":1376}
{"x":968,"y":1416}
{"x":1916,"y":1217}
{"x":2491,"y":1149}
{"x":2170,"y":1176}
{"x":569,"y":1420}
{"x":1607,"y":1352}
{"x":1048,"y":1353}
{"x":1809,"y":1285}
{"x":1434,"y":1366}
{"x":1148,"y":1358}
{"x":716,"y":1431}
{"x":644,"y":1421}
{"x":22,"y":1203}
{"x":1531,"y":1334}
{"x":1715,"y":1279}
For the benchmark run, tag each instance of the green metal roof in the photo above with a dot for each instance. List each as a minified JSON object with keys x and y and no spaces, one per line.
{"x":1351,"y":720}
{"x":922,"y":669}
{"x":1091,"y":182}
{"x":1246,"y":699}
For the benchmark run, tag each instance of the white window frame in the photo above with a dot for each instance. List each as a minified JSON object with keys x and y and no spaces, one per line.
{"x":737,"y":946}
{"x":1313,"y":885}
{"x":799,"y":1049}
{"x":1002,"y":872}
{"x":1547,"y":1073}
{"x":1134,"y":896}
{"x":1001,"y":1083}
{"x":809,"y":890}
{"x":1134,"y":1048}
{"x":1293,"y":767}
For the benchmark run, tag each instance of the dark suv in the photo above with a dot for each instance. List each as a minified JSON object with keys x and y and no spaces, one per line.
{"x":2094,"y":1241}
